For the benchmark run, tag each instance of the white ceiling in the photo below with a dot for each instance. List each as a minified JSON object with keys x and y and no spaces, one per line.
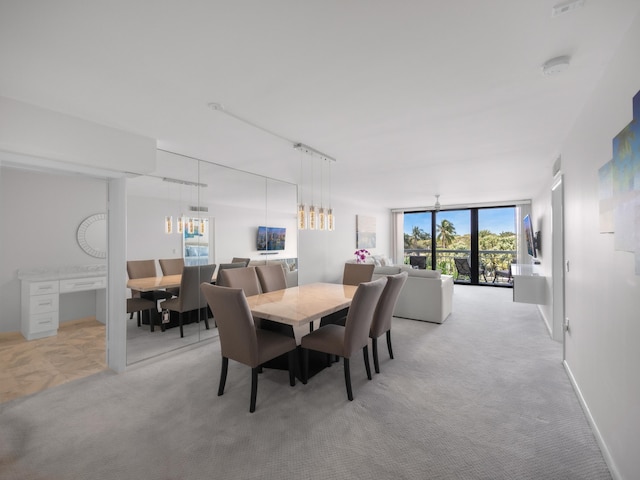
{"x":412,"y":98}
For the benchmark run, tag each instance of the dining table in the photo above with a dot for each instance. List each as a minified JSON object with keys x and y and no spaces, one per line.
{"x":299,"y":306}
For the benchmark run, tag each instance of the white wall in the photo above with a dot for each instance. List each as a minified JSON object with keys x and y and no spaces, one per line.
{"x":602,"y":289}
{"x":40,"y":214}
{"x":322,"y":254}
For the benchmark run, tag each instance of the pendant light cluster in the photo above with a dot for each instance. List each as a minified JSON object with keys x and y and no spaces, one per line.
{"x":316,"y":216}
{"x":190,"y":225}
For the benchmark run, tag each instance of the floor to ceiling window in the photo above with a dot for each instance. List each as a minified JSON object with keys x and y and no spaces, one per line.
{"x":475,"y":245}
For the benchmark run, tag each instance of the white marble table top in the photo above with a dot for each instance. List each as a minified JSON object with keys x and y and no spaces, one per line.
{"x":61,"y":273}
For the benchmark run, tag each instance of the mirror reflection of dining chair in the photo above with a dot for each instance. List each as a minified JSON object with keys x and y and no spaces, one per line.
{"x":345,"y":341}
{"x":145,"y":269}
{"x":172,"y":266}
{"x":138,"y":305}
{"x":190,"y":298}
{"x":241,"y":341}
{"x":383,"y":314}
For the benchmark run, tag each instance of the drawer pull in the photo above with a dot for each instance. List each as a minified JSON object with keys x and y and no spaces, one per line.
{"x":45,"y":303}
{"x":44,"y":322}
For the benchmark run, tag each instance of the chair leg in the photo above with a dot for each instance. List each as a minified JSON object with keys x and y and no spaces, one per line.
{"x":310,"y":327}
{"x":223,"y":375}
{"x":365,"y":352}
{"x":347,"y":379}
{"x":389,"y":344}
{"x":138,"y":317}
{"x":206,"y":318}
{"x":254,"y":389}
{"x":292,"y":367}
{"x":305,"y":365}
{"x":374,"y":345}
{"x":180,"y":322}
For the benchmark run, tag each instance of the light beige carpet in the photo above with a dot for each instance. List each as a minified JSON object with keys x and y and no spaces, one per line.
{"x":482,"y":396}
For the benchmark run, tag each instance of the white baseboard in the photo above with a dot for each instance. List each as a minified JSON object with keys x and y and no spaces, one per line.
{"x":594,"y":427}
{"x":545,"y":320}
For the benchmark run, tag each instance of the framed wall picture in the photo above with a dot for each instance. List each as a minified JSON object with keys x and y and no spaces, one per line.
{"x":365,"y":231}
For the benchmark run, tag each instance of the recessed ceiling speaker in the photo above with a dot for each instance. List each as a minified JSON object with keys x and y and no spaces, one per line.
{"x":556,"y":65}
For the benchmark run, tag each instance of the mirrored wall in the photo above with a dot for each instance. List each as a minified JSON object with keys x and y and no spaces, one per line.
{"x":205,"y":214}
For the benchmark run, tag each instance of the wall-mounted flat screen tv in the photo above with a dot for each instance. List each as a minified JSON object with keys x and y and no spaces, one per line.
{"x":528,"y":235}
{"x":271,"y":238}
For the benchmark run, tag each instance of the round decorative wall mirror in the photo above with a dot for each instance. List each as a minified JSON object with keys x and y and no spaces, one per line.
{"x":92,"y":235}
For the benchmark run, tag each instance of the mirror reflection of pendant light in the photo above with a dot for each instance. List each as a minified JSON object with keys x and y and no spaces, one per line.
{"x":312,"y":207}
{"x":190,"y":226}
{"x":321,"y":214}
{"x":202,"y":229}
{"x":302,"y":211}
{"x":180,"y":224}
{"x":168,"y":224}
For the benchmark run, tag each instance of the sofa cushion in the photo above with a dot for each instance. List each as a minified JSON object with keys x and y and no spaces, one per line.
{"x":386,"y":270}
{"x":425,"y":273}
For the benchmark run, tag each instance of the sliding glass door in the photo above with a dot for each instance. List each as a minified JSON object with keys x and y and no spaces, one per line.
{"x":475,"y":245}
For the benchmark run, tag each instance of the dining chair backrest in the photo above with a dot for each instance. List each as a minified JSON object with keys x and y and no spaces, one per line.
{"x":226,"y":266}
{"x":386,"y":304}
{"x":190,"y":297}
{"x":141,"y":268}
{"x":244,"y":278}
{"x":241,"y":260}
{"x":171,"y":266}
{"x":360,"y":315}
{"x":271,"y":277}
{"x":357,"y":273}
{"x":237,"y":332}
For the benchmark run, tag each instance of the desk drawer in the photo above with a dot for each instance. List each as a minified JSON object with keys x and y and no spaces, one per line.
{"x":43,"y":304}
{"x":82,"y":284}
{"x":43,"y":288}
{"x":43,"y":322}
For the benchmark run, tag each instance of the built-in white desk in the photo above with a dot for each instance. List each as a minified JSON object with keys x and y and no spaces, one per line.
{"x":41,"y":290}
{"x":528,"y":285}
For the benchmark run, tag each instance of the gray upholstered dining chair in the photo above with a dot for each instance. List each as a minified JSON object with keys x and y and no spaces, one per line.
{"x":241,"y":341}
{"x":245,"y":278}
{"x":241,"y":260}
{"x":384,"y":313}
{"x":138,"y":305}
{"x":227,"y":266}
{"x":271,"y":277}
{"x":190,"y":297}
{"x":356,"y":273}
{"x":145,"y":269}
{"x":344,"y":341}
{"x":172,"y":266}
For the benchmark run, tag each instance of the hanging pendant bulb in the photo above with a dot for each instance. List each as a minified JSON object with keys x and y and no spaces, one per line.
{"x":202,"y":227}
{"x":322,"y":219}
{"x":312,"y":217}
{"x":330,"y":220}
{"x":190,"y":226}
{"x":168,"y":224}
{"x":302,"y":217}
{"x":180,"y":225}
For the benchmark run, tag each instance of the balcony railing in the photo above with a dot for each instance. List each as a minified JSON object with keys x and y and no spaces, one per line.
{"x":491,"y":260}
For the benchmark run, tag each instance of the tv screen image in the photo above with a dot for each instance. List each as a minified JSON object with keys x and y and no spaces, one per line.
{"x":528,"y":235}
{"x":271,"y":238}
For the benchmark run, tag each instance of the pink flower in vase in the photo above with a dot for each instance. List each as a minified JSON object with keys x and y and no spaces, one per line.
{"x":361,"y":255}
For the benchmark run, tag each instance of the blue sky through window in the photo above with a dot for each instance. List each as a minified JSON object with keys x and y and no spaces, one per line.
{"x":497,"y":220}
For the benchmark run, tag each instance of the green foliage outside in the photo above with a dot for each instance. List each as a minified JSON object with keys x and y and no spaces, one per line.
{"x":447,"y":239}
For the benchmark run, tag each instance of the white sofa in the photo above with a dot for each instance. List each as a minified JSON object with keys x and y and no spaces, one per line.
{"x":427,"y":295}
